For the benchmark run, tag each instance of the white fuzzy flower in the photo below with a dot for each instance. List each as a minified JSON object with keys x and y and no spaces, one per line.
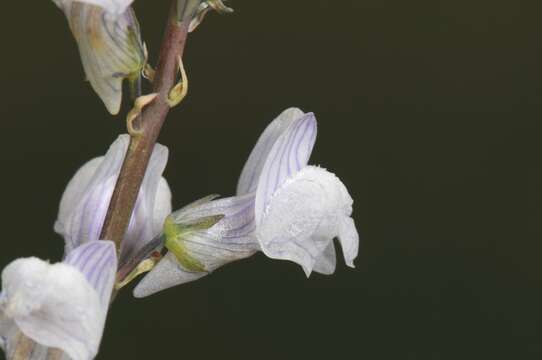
{"x":110,"y":45}
{"x":61,"y":305}
{"x":285,"y":208}
{"x":86,"y":199}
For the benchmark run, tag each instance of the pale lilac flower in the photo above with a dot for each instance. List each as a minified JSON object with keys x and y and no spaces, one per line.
{"x":285,"y":208}
{"x":62,"y":305}
{"x":86,"y":199}
{"x":110,"y":45}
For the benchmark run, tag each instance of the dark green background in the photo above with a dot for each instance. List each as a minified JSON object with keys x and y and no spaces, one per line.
{"x":429,"y":111}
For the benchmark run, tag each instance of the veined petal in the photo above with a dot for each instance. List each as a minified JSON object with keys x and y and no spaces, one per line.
{"x":256,"y":161}
{"x":289,"y":154}
{"x":152,"y":207}
{"x":201,"y":238}
{"x":97,"y":261}
{"x":162,"y":203}
{"x":87,"y":220}
{"x":54,"y":305}
{"x":110,"y":46}
{"x":85,"y":202}
{"x":115,"y":7}
{"x":74,"y":192}
{"x":303,"y":217}
{"x":230,"y":239}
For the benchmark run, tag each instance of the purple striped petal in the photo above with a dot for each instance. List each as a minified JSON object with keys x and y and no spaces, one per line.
{"x":256,"y":161}
{"x":152,"y":207}
{"x":85,"y":202}
{"x":86,"y":224}
{"x":231,"y":238}
{"x":290,"y":154}
{"x":97,"y":261}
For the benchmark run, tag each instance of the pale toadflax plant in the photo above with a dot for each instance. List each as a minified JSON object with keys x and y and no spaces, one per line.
{"x":116,"y":217}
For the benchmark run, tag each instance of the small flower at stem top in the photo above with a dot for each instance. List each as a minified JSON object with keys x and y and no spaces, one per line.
{"x":86,"y":199}
{"x":61,"y":306}
{"x":285,"y":208}
{"x":109,"y":41}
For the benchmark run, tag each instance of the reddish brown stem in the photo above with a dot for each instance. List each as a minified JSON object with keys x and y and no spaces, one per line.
{"x":150,"y":123}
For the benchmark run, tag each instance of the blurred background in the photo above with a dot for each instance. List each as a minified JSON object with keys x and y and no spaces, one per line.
{"x":429,"y":111}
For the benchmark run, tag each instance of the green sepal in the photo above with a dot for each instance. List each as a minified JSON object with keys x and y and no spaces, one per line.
{"x":177,"y":234}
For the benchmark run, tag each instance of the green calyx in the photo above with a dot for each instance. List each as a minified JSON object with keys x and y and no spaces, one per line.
{"x":177,"y":234}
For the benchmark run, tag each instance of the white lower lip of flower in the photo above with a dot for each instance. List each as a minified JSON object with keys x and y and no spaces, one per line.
{"x":327,"y":262}
{"x":61,"y":305}
{"x":304,"y":216}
